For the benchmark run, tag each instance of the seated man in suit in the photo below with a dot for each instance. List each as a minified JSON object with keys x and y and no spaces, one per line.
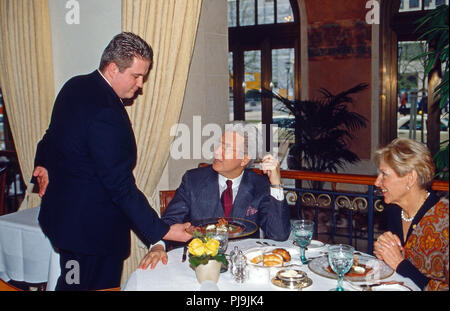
{"x":202,"y":192}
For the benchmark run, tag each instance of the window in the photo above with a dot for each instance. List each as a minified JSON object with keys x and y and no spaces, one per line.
{"x":419,"y":5}
{"x":413,"y":4}
{"x":283,"y":61}
{"x":264,"y":51}
{"x":412,"y":83}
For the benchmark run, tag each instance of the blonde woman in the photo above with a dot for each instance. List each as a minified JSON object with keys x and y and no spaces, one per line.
{"x":417,"y":244}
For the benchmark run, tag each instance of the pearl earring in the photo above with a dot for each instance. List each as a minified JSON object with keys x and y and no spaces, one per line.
{"x":408,"y":187}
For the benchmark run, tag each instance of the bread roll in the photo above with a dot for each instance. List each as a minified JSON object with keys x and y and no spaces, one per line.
{"x":283,"y":253}
{"x":272,"y":260}
{"x":257,"y":259}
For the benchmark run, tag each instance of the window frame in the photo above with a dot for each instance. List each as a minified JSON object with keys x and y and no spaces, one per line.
{"x":265,"y":38}
{"x":403,"y":24}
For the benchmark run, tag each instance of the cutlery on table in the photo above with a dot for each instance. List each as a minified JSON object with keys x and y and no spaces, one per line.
{"x":368,"y":287}
{"x":363,"y":254}
{"x":264,"y":243}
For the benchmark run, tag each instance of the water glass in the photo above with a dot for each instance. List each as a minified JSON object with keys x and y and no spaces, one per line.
{"x":340,"y":258}
{"x":303,"y":231}
{"x":222,"y":237}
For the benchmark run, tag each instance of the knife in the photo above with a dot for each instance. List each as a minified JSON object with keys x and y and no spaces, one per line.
{"x":183,"y":259}
{"x":369,"y":286}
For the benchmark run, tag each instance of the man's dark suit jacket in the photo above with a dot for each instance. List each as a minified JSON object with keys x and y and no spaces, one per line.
{"x":89,"y":150}
{"x":198,"y":197}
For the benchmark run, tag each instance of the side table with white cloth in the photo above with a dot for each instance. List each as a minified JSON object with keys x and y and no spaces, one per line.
{"x":179,"y":276}
{"x":26,"y":254}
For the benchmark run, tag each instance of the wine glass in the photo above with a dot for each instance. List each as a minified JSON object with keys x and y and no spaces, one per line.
{"x":303,"y":231}
{"x":222,"y":237}
{"x":340,"y":258}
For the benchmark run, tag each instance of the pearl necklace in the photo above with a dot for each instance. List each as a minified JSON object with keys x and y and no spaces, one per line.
{"x":406,"y":219}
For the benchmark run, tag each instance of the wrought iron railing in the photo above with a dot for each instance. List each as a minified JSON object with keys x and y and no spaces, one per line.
{"x":356,"y":207}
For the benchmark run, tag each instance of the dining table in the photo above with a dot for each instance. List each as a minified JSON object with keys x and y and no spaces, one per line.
{"x":26,"y":254}
{"x":178,"y":275}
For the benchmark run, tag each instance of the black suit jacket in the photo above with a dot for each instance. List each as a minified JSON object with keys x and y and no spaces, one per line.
{"x":198,"y":197}
{"x":89,"y":151}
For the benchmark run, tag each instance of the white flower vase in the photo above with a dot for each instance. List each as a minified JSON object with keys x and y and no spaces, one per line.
{"x":210,"y":271}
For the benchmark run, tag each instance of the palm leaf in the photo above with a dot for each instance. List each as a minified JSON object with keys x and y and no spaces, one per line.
{"x":434,"y":29}
{"x":323,"y":128}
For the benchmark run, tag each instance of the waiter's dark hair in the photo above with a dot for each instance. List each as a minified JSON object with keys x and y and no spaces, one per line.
{"x":123,"y":48}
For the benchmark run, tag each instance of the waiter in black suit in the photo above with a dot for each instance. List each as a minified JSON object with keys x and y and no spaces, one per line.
{"x":84,"y":166}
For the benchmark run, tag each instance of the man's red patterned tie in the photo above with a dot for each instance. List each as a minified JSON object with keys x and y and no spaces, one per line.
{"x":227,"y":199}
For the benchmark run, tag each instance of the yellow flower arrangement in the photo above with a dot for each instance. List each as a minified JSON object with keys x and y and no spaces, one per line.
{"x":202,"y":249}
{"x":196,"y":247}
{"x":212,"y":247}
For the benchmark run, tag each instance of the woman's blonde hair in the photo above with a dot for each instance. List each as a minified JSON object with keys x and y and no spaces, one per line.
{"x":405,"y":155}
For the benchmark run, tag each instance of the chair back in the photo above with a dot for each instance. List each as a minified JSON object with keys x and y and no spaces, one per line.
{"x":3,"y":187}
{"x":114,"y":289}
{"x":6,"y":287}
{"x":165,"y":196}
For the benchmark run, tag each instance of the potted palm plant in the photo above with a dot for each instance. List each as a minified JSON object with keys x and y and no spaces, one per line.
{"x":322,"y":129}
{"x":434,"y":29}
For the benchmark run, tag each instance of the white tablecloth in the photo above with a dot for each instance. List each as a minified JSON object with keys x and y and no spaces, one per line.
{"x":178,"y":276}
{"x":25,"y":252}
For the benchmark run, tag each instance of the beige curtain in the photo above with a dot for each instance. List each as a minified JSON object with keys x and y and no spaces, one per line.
{"x":26,"y":76}
{"x":170,"y":27}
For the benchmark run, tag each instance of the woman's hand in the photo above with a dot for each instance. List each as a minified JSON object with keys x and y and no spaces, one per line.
{"x":155,"y":255}
{"x":389,"y":249}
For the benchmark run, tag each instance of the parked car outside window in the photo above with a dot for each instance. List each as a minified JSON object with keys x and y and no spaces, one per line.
{"x":403,"y":125}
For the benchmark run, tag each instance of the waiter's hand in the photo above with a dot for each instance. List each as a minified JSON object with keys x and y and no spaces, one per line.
{"x":178,"y":233}
{"x":271,"y":167}
{"x":41,"y":175}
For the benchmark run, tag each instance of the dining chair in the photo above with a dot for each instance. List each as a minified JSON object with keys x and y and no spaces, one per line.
{"x":114,"y":289}
{"x":165,"y":196}
{"x":6,"y":287}
{"x":2,"y":190}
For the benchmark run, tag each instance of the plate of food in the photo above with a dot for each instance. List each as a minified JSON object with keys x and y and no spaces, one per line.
{"x":364,"y":268}
{"x":236,"y":227}
{"x":270,"y":256}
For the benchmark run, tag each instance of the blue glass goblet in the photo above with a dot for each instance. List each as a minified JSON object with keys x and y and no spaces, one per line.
{"x":303,"y":231}
{"x":340,"y":258}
